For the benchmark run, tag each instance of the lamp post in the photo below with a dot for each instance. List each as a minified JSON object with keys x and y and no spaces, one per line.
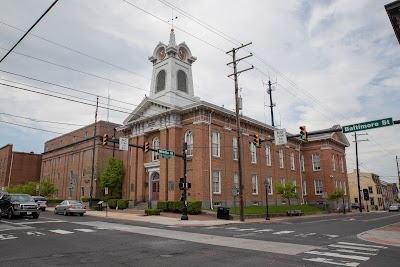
{"x":266,"y":184}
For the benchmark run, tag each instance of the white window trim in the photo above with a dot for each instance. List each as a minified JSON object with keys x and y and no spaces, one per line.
{"x":281,"y":160}
{"x":333,"y":162}
{"x":304,"y":188}
{"x":270,"y":186}
{"x":303,"y":169}
{"x":268,"y":155}
{"x":253,"y":153}
{"x":235,"y":148}
{"x":189,"y":141}
{"x":219,"y":182}
{"x":156,"y":145}
{"x":292,"y":165}
{"x":314,"y":162}
{"x":216,"y":147}
{"x":315,"y":187}
{"x":254,"y":184}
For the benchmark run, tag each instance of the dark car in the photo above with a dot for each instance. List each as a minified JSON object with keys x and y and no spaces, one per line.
{"x":18,"y":205}
{"x":357,"y":206}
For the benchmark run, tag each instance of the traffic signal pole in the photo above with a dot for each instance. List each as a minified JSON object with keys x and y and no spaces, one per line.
{"x":94,"y":149}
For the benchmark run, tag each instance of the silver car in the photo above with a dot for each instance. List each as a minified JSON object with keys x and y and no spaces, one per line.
{"x":394,"y":207}
{"x":70,"y":207}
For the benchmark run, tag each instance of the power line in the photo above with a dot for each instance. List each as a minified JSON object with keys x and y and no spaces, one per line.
{"x":36,"y":120}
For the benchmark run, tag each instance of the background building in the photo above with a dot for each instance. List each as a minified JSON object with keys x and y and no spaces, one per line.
{"x":67,"y":160}
{"x":172,"y":115}
{"x":18,"y":167}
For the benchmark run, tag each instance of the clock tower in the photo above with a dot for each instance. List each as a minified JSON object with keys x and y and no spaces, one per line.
{"x":172,"y":80}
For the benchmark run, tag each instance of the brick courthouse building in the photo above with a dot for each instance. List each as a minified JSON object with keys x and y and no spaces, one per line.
{"x":172,"y":115}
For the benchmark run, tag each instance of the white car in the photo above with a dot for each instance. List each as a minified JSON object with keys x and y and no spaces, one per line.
{"x":41,"y":201}
{"x":394,"y":207}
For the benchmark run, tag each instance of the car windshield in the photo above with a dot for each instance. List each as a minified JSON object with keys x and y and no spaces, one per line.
{"x":39,"y":198}
{"x":22,"y":198}
{"x":74,"y":202}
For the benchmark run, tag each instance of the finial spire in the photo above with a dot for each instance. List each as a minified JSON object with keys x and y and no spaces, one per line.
{"x":172,"y":42}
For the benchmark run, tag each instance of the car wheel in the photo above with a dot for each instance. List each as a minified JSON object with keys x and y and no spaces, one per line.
{"x":65,"y":213}
{"x":10,"y":214}
{"x":80,"y":214}
{"x":35,"y":216}
{"x":43,"y":209}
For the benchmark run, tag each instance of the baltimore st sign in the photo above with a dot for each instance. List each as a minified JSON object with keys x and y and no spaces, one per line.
{"x":367,"y":125}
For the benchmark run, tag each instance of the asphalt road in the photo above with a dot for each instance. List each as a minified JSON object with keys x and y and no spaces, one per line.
{"x":56,"y":240}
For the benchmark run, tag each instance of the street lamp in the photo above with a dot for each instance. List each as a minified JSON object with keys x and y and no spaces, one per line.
{"x":266,"y":184}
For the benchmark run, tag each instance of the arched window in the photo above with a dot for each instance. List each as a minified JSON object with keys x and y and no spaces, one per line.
{"x":189,"y":142}
{"x":160,"y":81}
{"x":182,"y":81}
{"x":156,"y":145}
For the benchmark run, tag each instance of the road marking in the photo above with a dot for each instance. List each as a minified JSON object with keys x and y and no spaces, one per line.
{"x":7,"y":237}
{"x":354,"y":247}
{"x":356,"y":252}
{"x":35,"y":233}
{"x":248,"y":229}
{"x":305,"y":235}
{"x":232,"y":242}
{"x":282,"y":232}
{"x":322,"y":221}
{"x":63,"y":232}
{"x":331,"y":236}
{"x":330,"y":261}
{"x":361,"y":245}
{"x":264,"y":230}
{"x":230,"y":228}
{"x":85,"y":230}
{"x":38,"y":222}
{"x":331,"y":254}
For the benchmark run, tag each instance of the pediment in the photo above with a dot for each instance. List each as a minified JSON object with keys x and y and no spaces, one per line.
{"x":146,"y":109}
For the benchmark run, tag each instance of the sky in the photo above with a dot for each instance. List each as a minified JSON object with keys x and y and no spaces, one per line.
{"x":331,"y":62}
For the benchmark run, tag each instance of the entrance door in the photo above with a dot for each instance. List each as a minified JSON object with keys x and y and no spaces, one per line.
{"x":155,"y":186}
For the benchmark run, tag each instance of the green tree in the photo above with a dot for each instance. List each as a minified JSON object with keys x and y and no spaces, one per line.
{"x":27,"y":188}
{"x":112,"y":175}
{"x":287,"y":190}
{"x":338,"y":194}
{"x":47,"y":188}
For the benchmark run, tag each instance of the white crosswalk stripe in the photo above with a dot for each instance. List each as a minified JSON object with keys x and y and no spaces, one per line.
{"x":85,"y":230}
{"x":62,"y":232}
{"x":282,"y":232}
{"x":336,"y":253}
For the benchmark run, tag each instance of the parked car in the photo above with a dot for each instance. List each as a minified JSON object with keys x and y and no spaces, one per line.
{"x":41,"y":201}
{"x":18,"y":205}
{"x":394,"y":207}
{"x":70,"y":207}
{"x":357,"y":206}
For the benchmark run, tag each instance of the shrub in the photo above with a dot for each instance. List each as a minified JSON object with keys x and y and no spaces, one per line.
{"x":163,"y":205}
{"x":152,"y":211}
{"x":175,"y":206}
{"x":57,"y":201}
{"x":94,"y":199}
{"x":194,"y":206}
{"x":122,"y":203}
{"x":112,"y":203}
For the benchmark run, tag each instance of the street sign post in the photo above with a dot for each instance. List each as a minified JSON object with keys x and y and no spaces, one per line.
{"x":166,"y":154}
{"x":367,"y":125}
{"x":123,"y":143}
{"x":280,"y":137}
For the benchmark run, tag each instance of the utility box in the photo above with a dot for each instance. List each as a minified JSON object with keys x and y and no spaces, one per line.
{"x":223,"y":213}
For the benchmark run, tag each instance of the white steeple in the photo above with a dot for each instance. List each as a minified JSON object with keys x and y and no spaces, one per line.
{"x":172,"y":80}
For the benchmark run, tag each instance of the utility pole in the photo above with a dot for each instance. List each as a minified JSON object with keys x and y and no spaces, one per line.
{"x":358,"y":171}
{"x":398,"y":171}
{"x":238,"y":131}
{"x":94,"y":149}
{"x":271,"y":104}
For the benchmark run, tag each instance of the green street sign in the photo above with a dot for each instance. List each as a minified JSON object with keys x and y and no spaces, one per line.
{"x":367,"y":125}
{"x":165,"y":156}
{"x":166,"y":152}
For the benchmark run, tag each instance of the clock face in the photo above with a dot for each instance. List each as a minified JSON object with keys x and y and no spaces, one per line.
{"x":161,"y":53}
{"x":182,"y":53}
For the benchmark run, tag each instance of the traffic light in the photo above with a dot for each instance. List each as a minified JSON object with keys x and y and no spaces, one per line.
{"x":303,"y":133}
{"x":256,"y":141}
{"x":146,"y":147}
{"x":105,"y":139}
{"x":366,"y":194}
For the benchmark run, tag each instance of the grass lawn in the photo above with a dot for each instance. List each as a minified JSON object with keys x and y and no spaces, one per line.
{"x":273,"y":209}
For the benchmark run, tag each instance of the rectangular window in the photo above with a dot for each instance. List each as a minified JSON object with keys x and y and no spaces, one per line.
{"x":74,"y":139}
{"x":269,"y":179}
{"x":61,"y":143}
{"x":282,"y":180}
{"x":86,"y":134}
{"x":236,"y":180}
{"x":254,"y":184}
{"x":316,"y":162}
{"x":253,"y":153}
{"x":303,"y":169}
{"x":84,"y":154}
{"x":295,"y":184}
{"x":370,"y":190}
{"x":344,"y":188}
{"x":83,"y":172}
{"x":335,"y":184}
{"x":304,"y":188}
{"x":372,"y":201}
{"x":59,"y":160}
{"x":268,"y":155}
{"x":58,"y":176}
{"x":333,"y":162}
{"x":217,"y":182}
{"x":281,"y":163}
{"x":82,"y":191}
{"x":341,"y":165}
{"x":292,"y":166}
{"x":318,"y":187}
{"x":215,"y":144}
{"x":51,"y":147}
{"x":73,"y":157}
{"x":235,"y":148}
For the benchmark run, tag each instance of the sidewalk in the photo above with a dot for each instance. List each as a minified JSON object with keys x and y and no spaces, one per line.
{"x":388,"y":235}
